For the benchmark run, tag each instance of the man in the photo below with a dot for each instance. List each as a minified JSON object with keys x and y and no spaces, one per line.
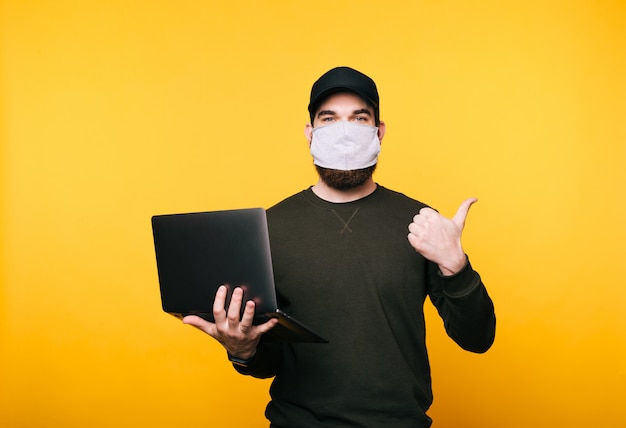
{"x":344,"y":266}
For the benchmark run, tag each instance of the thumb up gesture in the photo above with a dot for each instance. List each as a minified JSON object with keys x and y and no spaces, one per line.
{"x":438,"y":238}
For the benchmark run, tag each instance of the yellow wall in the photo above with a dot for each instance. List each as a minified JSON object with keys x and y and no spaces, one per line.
{"x":112,"y":111}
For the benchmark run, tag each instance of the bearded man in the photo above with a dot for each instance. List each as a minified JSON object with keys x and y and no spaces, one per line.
{"x":355,"y":261}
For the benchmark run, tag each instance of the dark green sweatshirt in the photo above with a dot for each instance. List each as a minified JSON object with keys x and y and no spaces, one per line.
{"x":349,"y":273}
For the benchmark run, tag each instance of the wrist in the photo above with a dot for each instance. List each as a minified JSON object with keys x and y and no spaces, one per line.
{"x":453,"y":267}
{"x":241,"y":361}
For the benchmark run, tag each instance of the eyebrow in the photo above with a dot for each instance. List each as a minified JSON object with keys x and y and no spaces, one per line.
{"x":325,"y":113}
{"x":355,"y":112}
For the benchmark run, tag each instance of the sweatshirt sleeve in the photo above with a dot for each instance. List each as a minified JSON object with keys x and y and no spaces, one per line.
{"x":266,"y":361}
{"x":465,"y":307}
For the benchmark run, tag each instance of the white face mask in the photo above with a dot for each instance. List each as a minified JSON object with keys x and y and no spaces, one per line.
{"x":345,"y":146}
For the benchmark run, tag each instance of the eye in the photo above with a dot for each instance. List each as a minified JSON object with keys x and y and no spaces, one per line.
{"x":327,"y":119}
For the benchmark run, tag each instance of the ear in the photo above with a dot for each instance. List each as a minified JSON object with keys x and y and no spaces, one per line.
{"x":308,"y":132}
{"x":381,"y":130}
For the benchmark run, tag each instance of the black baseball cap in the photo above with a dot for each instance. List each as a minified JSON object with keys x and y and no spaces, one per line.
{"x":344,"y":79}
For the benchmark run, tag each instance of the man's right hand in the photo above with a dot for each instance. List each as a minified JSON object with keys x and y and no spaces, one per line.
{"x":237,"y":334}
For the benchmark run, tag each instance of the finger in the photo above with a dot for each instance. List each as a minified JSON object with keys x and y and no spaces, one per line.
{"x":201,"y":324}
{"x":234,"y":309}
{"x":248,"y":317}
{"x":195,"y":321}
{"x":426,"y":212}
{"x":219,"y":313}
{"x":414,"y":241}
{"x":267,"y":326}
{"x":461,"y":214}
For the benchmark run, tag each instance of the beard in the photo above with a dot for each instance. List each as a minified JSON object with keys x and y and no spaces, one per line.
{"x":345,"y":180}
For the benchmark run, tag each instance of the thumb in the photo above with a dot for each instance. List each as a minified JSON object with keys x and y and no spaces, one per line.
{"x":195,"y":321}
{"x":200,"y":323}
{"x":461,"y":214}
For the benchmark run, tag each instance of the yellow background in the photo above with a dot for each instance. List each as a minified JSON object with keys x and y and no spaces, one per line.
{"x":112,"y":111}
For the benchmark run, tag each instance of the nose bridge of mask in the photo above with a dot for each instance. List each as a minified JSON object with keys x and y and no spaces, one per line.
{"x":349,"y":139}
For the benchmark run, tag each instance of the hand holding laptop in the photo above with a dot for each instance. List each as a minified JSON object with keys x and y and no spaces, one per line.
{"x":239,"y":336}
{"x":197,"y":252}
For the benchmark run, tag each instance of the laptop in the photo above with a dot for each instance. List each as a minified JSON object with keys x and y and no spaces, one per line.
{"x":198,"y":252}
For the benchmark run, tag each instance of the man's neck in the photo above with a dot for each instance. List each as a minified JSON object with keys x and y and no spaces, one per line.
{"x":330,"y":194}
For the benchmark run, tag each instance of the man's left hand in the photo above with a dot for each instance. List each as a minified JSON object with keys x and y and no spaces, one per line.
{"x":438,"y":238}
